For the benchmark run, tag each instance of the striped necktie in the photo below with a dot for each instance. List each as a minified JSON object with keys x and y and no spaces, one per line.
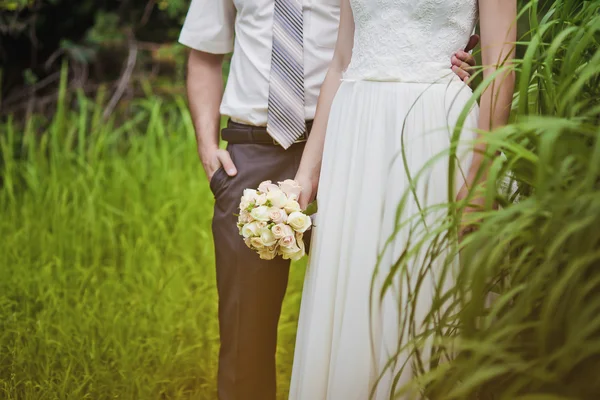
{"x":285,"y":118}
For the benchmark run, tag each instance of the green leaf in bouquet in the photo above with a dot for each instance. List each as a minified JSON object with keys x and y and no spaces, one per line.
{"x":311,"y":209}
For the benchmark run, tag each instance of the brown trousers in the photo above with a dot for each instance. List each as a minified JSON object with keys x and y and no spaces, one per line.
{"x":251,"y":290}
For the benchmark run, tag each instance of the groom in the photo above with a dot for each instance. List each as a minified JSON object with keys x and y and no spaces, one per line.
{"x":270,"y":101}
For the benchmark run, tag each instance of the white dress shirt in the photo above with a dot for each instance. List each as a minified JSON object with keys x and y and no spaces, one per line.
{"x":210,"y":26}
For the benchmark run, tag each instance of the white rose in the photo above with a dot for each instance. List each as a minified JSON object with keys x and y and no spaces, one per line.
{"x":260,"y":213}
{"x":282,"y":230}
{"x":261,"y":199}
{"x":267,"y":237}
{"x":250,"y":230}
{"x":291,"y":188}
{"x":291,"y":206}
{"x":268,"y":253}
{"x":267,"y":186}
{"x":277,"y":198}
{"x":277,"y":215}
{"x":299,"y":221}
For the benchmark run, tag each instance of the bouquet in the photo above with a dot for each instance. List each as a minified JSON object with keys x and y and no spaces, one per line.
{"x":272,"y":222}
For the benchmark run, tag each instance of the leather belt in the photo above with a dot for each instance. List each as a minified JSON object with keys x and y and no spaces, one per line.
{"x":236,"y":133}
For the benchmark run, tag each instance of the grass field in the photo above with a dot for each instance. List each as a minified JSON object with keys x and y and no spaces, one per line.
{"x":107,"y":284}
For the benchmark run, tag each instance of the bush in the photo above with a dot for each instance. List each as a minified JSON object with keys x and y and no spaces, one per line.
{"x":95,"y":37}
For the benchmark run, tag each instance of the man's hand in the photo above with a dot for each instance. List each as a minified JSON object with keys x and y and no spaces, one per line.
{"x":463,"y":62}
{"x":214,"y":159}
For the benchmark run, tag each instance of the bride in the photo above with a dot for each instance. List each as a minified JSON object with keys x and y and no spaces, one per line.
{"x":379,"y":121}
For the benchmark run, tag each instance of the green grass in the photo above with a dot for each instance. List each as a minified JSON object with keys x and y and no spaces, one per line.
{"x":522,"y":318}
{"x":107,"y":283}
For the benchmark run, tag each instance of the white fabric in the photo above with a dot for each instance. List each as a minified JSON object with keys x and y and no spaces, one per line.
{"x":210,"y":26}
{"x":362,"y":181}
{"x":380,"y":131}
{"x":408,"y":40}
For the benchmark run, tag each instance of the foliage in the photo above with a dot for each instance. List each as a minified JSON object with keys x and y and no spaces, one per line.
{"x":106,"y":279}
{"x":522,"y":320}
{"x":106,"y":260}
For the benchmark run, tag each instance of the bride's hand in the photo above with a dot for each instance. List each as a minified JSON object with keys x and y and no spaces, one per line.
{"x":463,"y":63}
{"x":309,"y":190}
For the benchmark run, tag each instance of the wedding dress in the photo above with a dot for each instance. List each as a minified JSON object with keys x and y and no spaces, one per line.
{"x":395,"y":110}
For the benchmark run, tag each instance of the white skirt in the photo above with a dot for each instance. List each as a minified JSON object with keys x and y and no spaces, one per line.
{"x":380,"y":135}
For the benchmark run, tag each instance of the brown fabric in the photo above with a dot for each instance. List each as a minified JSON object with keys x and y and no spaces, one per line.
{"x":241,"y":133}
{"x":250,"y":290}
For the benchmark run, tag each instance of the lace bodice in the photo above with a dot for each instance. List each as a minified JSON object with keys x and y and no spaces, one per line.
{"x":408,"y":40}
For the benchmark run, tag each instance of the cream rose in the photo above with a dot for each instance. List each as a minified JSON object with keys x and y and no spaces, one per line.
{"x":267,"y":253}
{"x":260,"y":213}
{"x":288,"y":242}
{"x":291,"y":206}
{"x":267,"y":186}
{"x":257,"y":243}
{"x":291,"y":188}
{"x":293,"y":253}
{"x":245,"y":217}
{"x":261,"y":199}
{"x":267,"y":237}
{"x":282,"y":230}
{"x":250,"y":194}
{"x":248,"y":199}
{"x":250,"y":230}
{"x":299,"y":221}
{"x":277,"y":198}
{"x":277,"y":215}
{"x":300,"y":241}
{"x":297,"y":252}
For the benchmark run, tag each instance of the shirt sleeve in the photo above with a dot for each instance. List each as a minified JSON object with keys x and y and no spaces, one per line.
{"x":209,"y":26}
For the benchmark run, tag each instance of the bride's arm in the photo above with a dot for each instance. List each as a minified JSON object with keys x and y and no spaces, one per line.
{"x":498,"y":25}
{"x":310,"y":165}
